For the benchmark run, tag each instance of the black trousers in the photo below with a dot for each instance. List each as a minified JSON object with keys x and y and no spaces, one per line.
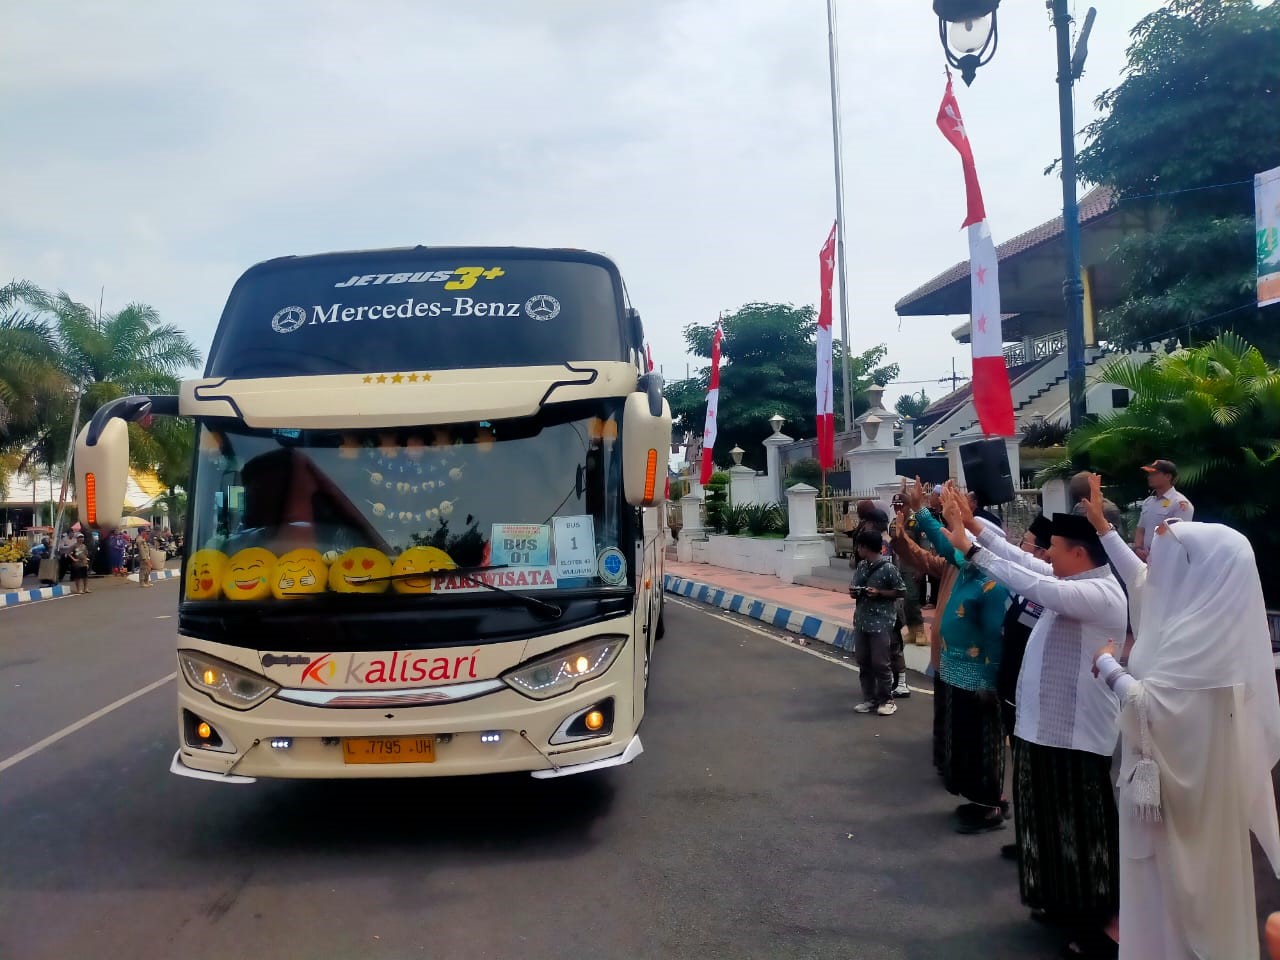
{"x":897,"y":658}
{"x":871,"y":651}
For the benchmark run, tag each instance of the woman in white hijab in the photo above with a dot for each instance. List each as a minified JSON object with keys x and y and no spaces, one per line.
{"x":1200,"y":733}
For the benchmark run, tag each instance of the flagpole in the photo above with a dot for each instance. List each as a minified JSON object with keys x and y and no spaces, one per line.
{"x":839,"y":169}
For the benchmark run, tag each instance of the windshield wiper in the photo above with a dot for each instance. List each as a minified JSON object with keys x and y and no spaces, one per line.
{"x":533,"y":603}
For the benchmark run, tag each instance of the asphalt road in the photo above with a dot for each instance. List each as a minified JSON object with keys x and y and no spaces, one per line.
{"x":764,"y":819}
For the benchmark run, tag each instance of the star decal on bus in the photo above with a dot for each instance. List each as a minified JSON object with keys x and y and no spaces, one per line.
{"x":396,"y":378}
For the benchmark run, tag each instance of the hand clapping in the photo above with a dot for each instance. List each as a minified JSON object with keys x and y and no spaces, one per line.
{"x":1093,"y":505}
{"x":915,"y":495}
{"x":954,"y":507}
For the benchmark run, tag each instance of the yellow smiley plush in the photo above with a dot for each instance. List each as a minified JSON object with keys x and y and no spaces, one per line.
{"x":204,"y":574}
{"x":419,"y":560}
{"x":248,"y":574}
{"x":298,"y":572}
{"x":360,"y":570}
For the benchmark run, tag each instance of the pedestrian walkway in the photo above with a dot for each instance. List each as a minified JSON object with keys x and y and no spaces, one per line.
{"x":12,"y":598}
{"x":813,"y":613}
{"x":32,"y":590}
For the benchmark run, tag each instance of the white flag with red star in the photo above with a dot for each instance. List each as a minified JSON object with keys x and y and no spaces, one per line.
{"x":992,"y":398}
{"x":713,"y":401}
{"x":823,"y":384}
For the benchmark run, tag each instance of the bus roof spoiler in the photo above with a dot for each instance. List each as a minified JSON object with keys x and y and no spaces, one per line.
{"x":130,"y":409}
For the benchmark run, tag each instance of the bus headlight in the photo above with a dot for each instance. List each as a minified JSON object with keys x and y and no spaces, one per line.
{"x":228,"y":685}
{"x":563,"y":670}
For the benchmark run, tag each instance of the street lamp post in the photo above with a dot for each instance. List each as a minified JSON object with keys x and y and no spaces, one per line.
{"x":961,"y":25}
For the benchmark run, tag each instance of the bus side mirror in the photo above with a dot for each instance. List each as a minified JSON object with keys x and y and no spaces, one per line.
{"x":102,"y":472}
{"x":646,"y":438}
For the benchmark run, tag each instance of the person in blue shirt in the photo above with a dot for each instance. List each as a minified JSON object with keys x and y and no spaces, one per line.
{"x":972,"y":626}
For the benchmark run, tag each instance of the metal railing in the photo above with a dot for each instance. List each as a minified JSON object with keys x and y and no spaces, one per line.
{"x":831,"y":508}
{"x":1049,"y":345}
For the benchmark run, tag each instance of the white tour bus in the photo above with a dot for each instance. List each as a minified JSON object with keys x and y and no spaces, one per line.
{"x":425,"y":517}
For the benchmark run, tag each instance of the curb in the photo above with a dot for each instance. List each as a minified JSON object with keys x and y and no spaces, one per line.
{"x":830,"y":632}
{"x":156,"y":575}
{"x":14,"y":597}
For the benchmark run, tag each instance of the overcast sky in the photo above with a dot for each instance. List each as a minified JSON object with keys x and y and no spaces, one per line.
{"x":159,"y":149}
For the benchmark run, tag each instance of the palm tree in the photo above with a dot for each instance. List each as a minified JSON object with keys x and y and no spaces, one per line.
{"x":32,"y":384}
{"x":114,"y":355}
{"x":31,"y":378}
{"x":1215,"y":411}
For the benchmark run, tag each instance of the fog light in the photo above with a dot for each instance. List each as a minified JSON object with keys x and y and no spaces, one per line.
{"x":490,"y":736}
{"x":594,"y":720}
{"x":204,"y":730}
{"x":281,"y":743}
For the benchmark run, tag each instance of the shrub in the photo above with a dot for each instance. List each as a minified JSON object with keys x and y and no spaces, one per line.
{"x":805,"y":471}
{"x":762,"y":518}
{"x":717,"y":499}
{"x":1044,"y":433}
{"x":734,"y":519}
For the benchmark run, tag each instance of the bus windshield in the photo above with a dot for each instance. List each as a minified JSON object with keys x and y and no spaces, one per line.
{"x":283,"y":515}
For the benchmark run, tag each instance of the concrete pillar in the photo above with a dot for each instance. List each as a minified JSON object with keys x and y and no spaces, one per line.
{"x":773,"y":462}
{"x":804,"y":548}
{"x":802,"y":512}
{"x":908,"y":437}
{"x":742,"y":486}
{"x":692,"y":529}
{"x":1014,"y":446}
{"x":1054,"y":496}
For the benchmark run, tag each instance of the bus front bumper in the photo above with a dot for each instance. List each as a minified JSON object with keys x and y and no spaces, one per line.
{"x":634,"y":749}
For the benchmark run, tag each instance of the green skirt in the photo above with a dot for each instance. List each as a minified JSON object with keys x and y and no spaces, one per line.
{"x":1068,"y":832}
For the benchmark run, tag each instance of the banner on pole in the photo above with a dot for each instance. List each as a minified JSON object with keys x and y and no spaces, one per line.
{"x":713,"y":401}
{"x":823,"y":384}
{"x":992,"y":398}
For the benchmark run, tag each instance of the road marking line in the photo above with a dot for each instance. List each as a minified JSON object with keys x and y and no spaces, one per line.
{"x":702,"y":608}
{"x":84,"y":722}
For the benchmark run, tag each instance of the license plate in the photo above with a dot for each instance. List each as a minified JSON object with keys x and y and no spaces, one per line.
{"x":389,"y":750}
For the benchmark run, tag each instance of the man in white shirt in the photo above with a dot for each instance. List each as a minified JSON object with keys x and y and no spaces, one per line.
{"x":1067,"y":725}
{"x":1164,"y":503}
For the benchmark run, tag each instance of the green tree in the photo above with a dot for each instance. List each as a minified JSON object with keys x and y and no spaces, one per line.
{"x":1215,"y":411}
{"x":114,"y":355}
{"x":912,"y":405}
{"x":1196,"y":109}
{"x":767,"y":366}
{"x":31,"y":379}
{"x":55,"y":351}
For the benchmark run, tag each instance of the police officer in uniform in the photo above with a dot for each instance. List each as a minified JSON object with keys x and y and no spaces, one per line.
{"x":1164,"y":503}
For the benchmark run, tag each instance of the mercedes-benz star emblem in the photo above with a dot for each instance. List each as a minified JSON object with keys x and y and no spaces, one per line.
{"x":288,"y":320}
{"x":542,"y":307}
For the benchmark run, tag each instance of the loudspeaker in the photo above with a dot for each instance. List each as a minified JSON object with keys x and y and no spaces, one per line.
{"x":928,"y":469}
{"x":986,"y":471}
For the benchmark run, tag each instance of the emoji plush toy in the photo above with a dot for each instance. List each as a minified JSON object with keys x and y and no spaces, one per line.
{"x":419,"y":560}
{"x":247,"y":575}
{"x":204,"y":574}
{"x":360,"y":570}
{"x":298,"y":572}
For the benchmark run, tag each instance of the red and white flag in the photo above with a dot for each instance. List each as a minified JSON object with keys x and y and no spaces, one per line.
{"x":992,"y":398}
{"x":822,"y":387}
{"x":713,"y":401}
{"x":648,"y":358}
